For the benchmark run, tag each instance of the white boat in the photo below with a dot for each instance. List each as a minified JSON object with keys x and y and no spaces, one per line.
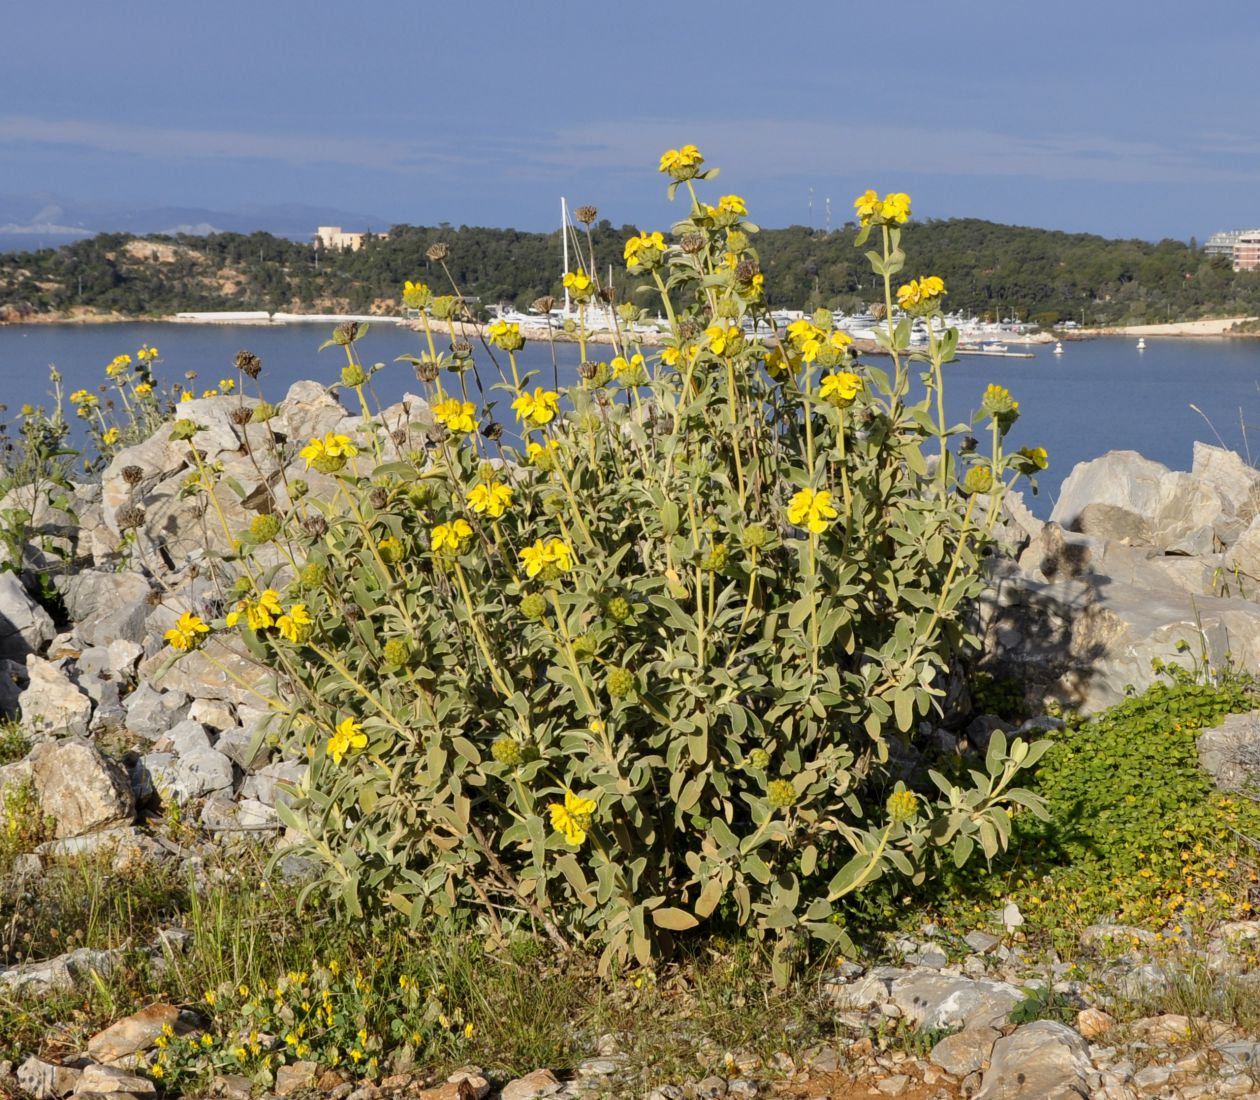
{"x":1141,"y":344}
{"x":993,"y":345}
{"x":1058,"y":347}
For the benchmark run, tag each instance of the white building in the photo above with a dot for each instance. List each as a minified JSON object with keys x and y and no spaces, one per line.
{"x":333,"y":236}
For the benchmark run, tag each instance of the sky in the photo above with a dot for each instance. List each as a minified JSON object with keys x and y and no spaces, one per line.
{"x":1113,"y":117}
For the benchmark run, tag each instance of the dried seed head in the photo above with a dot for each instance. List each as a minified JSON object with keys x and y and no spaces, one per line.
{"x":315,"y":526}
{"x":438,"y":252}
{"x":378,"y":498}
{"x":586,"y":214}
{"x":545,"y":304}
{"x":688,"y":328}
{"x":129,"y":517}
{"x":461,"y":349}
{"x":586,"y":371}
{"x":346,"y":332}
{"x":427,"y":370}
{"x":608,"y":294}
{"x":493,"y":431}
{"x":747,"y":271}
{"x":248,"y":363}
{"x":399,"y":436}
{"x":132,"y":475}
{"x":352,"y":613}
{"x":693,"y":243}
{"x":242,"y":414}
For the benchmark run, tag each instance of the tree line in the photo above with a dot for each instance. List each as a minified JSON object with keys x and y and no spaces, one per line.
{"x":992,"y":270}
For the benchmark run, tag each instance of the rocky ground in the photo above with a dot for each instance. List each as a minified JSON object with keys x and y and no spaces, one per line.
{"x":1138,"y":563}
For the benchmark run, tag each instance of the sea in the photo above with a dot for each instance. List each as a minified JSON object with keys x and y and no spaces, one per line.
{"x":1101,"y":394}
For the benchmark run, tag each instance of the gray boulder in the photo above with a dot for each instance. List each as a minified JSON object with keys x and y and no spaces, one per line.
{"x":204,"y":771}
{"x":152,"y":713}
{"x":106,"y":607}
{"x":1044,"y":1060}
{"x":82,"y":790}
{"x":1230,"y":752}
{"x":52,"y":702}
{"x":1121,"y":478}
{"x":932,"y":1001}
{"x":25,"y":627}
{"x":1233,"y":478}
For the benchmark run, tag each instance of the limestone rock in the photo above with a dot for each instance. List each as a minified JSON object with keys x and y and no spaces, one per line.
{"x":193,"y":675}
{"x":184,"y":738}
{"x":1226,"y":472}
{"x":107,"y":1080}
{"x":81,"y":789}
{"x":295,"y":1077}
{"x":152,"y":713}
{"x":1044,"y":1060}
{"x":1111,"y":522}
{"x":47,"y":1080}
{"x":1230,"y":752}
{"x":52,"y":702}
{"x":204,"y":771}
{"x":308,"y":410}
{"x":132,"y":1034}
{"x":1093,"y":1023}
{"x":966,"y":1051}
{"x":56,"y":975}
{"x":25,"y":627}
{"x":937,"y":1001}
{"x":106,"y":606}
{"x":542,"y":1082}
{"x":1121,"y":478}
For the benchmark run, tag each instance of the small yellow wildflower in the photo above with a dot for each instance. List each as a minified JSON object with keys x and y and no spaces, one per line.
{"x":554,"y":552}
{"x":187,"y":633}
{"x":896,"y":207}
{"x":346,"y":737}
{"x":456,"y":415}
{"x":332,"y":447}
{"x":491,"y":498}
{"x":812,"y":510}
{"x":468,"y":1030}
{"x":732,"y":204}
{"x":841,"y":388}
{"x":534,"y":450}
{"x":577,"y":282}
{"x":143,"y":389}
{"x":146,"y":354}
{"x":644,"y":249}
{"x":294,"y":624}
{"x":682,"y":163}
{"x":110,"y":436}
{"x":867,"y":206}
{"x":209,"y":393}
{"x":416,"y":295}
{"x":572,"y":817}
{"x":724,"y":340}
{"x":623,"y":367}
{"x":505,"y":336}
{"x":538,"y":408}
{"x":449,"y":538}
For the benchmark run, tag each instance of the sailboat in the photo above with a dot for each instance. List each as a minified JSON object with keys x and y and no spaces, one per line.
{"x":1141,"y":344}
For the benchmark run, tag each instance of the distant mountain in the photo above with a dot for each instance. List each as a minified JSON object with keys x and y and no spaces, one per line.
{"x":29,"y":222}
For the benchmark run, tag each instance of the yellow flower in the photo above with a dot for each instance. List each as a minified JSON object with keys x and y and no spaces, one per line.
{"x":346,"y":737}
{"x":109,"y":437}
{"x":332,"y":447}
{"x":554,"y":552}
{"x":143,"y":389}
{"x":866,"y":205}
{"x":780,"y":363}
{"x":491,"y":497}
{"x":572,"y":817}
{"x":146,"y":353}
{"x":732,"y":204}
{"x":722,"y":340}
{"x":505,"y":336}
{"x":908,"y":295}
{"x":185,"y":396}
{"x":622,"y":366}
{"x":812,"y":510}
{"x":260,"y":614}
{"x":210,"y":997}
{"x":416,"y":295}
{"x":932,"y":286}
{"x":998,"y":403}
{"x":538,"y":408}
{"x":670,"y":357}
{"x":1035,"y":457}
{"x":227,"y":385}
{"x":456,"y":415}
{"x":293,"y":625}
{"x":579,"y":282}
{"x":468,"y":1030}
{"x":187,"y":632}
{"x":681,"y":163}
{"x":643,"y":249}
{"x":209,"y":393}
{"x":449,"y":538}
{"x":534,"y":450}
{"x":118,"y":366}
{"x":841,"y":388}
{"x":902,"y":806}
{"x":82,"y":397}
{"x":896,"y":207}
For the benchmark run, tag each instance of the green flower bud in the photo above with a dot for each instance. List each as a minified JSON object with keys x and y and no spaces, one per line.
{"x":312,"y":574}
{"x":396,"y":652}
{"x":507,"y":751}
{"x":756,"y":536}
{"x":715,"y":560}
{"x":262,"y":412}
{"x":759,"y":760}
{"x":353,"y":375}
{"x":979,"y":479}
{"x":241,"y":587}
{"x":619,"y":609}
{"x":534,"y":606}
{"x":486,"y":471}
{"x":264,"y":528}
{"x":619,"y":682}
{"x":419,"y":493}
{"x":554,"y":505}
{"x":183,"y":429}
{"x":298,"y":489}
{"x":329,"y":464}
{"x":780,"y":793}
{"x":584,"y":646}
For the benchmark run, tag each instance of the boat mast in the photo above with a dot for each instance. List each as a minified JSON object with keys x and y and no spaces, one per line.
{"x":564,"y":237}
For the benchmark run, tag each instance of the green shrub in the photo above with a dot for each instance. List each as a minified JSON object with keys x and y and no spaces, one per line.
{"x":645,"y":673}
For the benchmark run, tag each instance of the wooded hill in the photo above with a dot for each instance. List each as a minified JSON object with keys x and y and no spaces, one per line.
{"x":998,"y":270}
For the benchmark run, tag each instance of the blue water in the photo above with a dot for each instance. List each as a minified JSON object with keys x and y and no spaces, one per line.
{"x":1100,"y":395}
